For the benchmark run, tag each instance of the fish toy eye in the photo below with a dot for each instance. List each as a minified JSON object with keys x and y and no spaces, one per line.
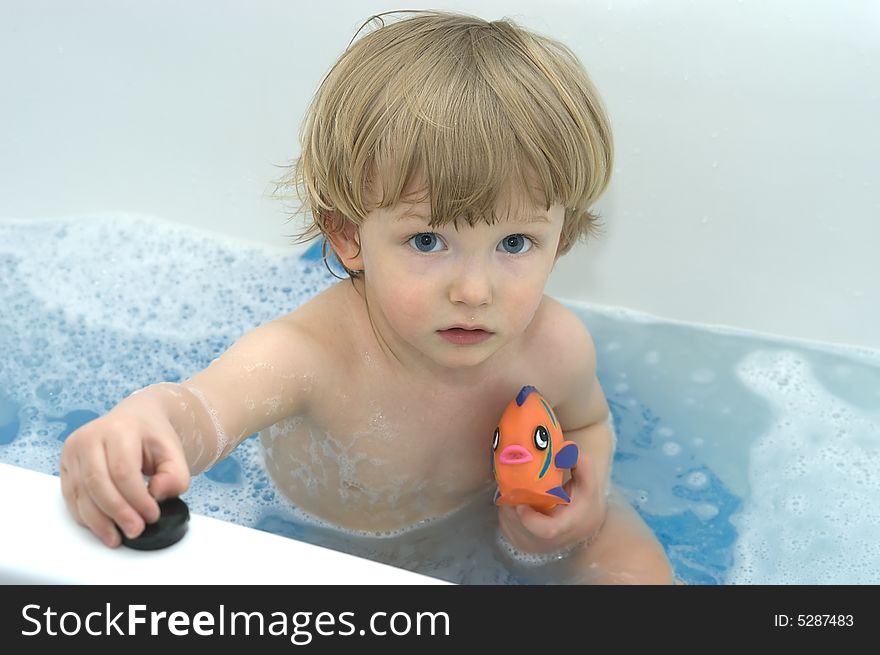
{"x":496,"y":439}
{"x":542,"y":438}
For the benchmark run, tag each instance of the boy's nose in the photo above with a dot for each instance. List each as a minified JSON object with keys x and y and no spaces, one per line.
{"x":472,"y":286}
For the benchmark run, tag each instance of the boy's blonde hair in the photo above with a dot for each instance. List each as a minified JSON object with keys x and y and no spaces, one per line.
{"x":461,"y":106}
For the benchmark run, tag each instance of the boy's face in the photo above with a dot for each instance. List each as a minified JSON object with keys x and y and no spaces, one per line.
{"x":426,"y":288}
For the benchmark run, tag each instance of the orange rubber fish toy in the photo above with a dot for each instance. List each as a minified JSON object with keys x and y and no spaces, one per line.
{"x":530,"y":455}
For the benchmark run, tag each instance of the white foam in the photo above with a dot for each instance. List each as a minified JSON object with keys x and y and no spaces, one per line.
{"x":534,"y":559}
{"x":706,"y":511}
{"x":697,"y":480}
{"x":671,"y":448}
{"x":815,"y":490}
{"x":220,"y":433}
{"x":62,"y":273}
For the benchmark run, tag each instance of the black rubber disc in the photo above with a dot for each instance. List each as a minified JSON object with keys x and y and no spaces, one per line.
{"x":168,"y":530}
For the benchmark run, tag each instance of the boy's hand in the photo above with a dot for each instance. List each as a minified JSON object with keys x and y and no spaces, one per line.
{"x":531,"y":531}
{"x":102,"y":469}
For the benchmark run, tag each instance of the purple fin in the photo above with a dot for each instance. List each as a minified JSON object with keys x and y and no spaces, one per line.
{"x":567,"y":457}
{"x":559,"y":492}
{"x":523,"y":394}
{"x":497,"y":495}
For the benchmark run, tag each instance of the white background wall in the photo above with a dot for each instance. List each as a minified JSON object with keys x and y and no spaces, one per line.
{"x":748,"y":143}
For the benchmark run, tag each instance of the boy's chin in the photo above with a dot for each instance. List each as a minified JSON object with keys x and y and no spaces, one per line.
{"x":465,"y":356}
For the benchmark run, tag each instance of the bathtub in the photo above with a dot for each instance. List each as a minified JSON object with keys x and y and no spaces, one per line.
{"x":42,"y":524}
{"x":744,"y":192}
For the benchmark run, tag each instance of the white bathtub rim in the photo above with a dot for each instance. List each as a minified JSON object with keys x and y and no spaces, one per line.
{"x":865,"y":354}
{"x":44,"y":545}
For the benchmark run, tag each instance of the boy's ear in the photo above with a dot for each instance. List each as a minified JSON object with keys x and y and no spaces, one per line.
{"x":343,"y":235}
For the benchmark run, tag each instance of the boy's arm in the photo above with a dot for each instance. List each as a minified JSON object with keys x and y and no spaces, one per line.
{"x":266,"y":375}
{"x":584,"y":418}
{"x":169,"y":431}
{"x":596,"y":439}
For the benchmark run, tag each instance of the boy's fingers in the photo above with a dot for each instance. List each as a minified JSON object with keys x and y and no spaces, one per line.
{"x":526,"y":519}
{"x":506,"y":513}
{"x":100,"y":489}
{"x":510,"y":519}
{"x":124,"y":458}
{"x":68,"y":490}
{"x":522,"y":511}
{"x":545,"y":526}
{"x":170,"y":475}
{"x":580,"y":475}
{"x":168,"y":483}
{"x":98,"y":522}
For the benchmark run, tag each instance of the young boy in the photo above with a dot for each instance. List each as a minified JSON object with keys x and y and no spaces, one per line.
{"x":449,"y":161}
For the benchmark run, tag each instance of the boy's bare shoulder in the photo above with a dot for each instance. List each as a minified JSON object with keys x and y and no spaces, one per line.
{"x":561,"y":331}
{"x":323,"y":324}
{"x":286,"y":345}
{"x":562,"y":345}
{"x":295,"y":353}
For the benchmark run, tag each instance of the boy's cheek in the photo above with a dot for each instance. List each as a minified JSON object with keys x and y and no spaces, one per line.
{"x":407,"y":307}
{"x":521,"y":309}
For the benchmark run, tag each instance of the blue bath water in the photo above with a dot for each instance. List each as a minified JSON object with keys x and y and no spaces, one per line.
{"x":754,"y":459}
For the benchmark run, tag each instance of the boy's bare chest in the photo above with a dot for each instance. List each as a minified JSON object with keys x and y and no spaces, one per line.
{"x":389,"y":454}
{"x":422,"y":432}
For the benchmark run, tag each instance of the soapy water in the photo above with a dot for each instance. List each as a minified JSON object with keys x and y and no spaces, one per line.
{"x":752,"y":458}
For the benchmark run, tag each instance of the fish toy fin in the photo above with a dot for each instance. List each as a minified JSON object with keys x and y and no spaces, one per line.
{"x":567,"y":456}
{"x":559,"y":492}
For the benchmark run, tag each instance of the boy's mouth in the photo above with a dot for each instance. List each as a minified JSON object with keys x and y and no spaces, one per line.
{"x":465,"y":335}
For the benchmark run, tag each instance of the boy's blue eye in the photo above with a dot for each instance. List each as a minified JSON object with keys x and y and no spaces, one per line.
{"x":516,"y":244}
{"x":425,"y":242}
